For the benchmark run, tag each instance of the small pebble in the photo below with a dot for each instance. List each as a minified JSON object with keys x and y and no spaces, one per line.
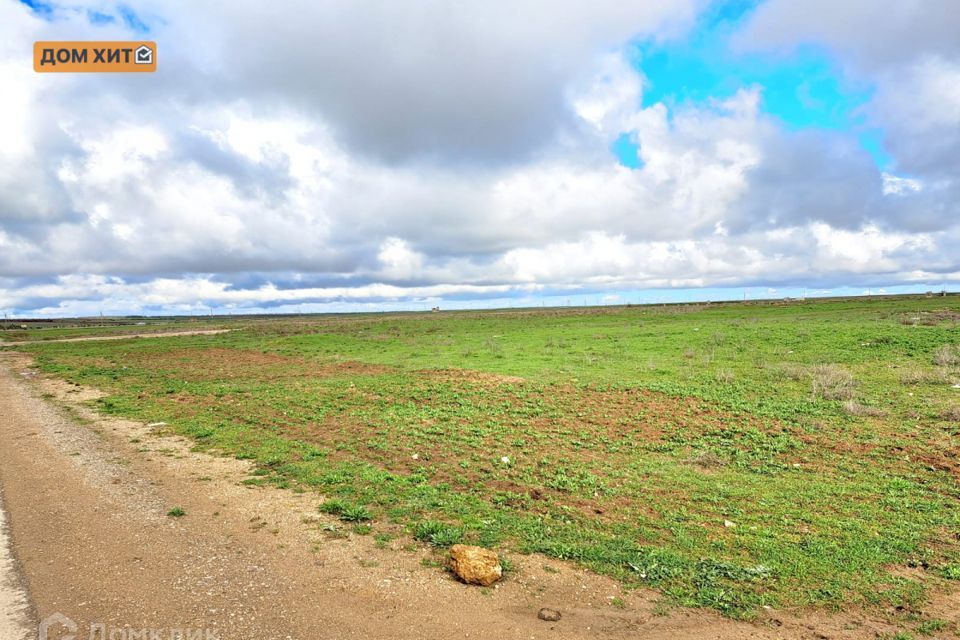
{"x":549,"y":615}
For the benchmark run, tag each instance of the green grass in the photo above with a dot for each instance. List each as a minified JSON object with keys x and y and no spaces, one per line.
{"x":623,"y":439}
{"x":11,"y":332}
{"x":346,"y":511}
{"x":176,"y":512}
{"x":930,"y":627}
{"x":438,"y":534}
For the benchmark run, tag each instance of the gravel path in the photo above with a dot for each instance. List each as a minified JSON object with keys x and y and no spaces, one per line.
{"x":15,"y":622}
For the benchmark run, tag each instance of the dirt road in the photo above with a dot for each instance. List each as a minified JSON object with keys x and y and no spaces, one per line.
{"x":88,"y":498}
{"x":120,"y":336}
{"x":15,"y":619}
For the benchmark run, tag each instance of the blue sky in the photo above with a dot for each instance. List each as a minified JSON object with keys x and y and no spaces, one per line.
{"x":118,"y":14}
{"x":805,"y":89}
{"x":459,"y":158}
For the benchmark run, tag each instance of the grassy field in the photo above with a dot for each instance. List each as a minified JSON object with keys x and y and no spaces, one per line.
{"x":13,"y":332}
{"x":731,"y":456}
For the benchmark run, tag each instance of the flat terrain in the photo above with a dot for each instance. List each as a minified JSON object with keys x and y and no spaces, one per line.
{"x":90,"y":498}
{"x":756,"y":460}
{"x":121,"y":336}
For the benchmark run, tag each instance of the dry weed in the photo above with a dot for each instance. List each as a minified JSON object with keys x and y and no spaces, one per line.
{"x":917,"y":375}
{"x":854,"y":408}
{"x":832,"y":382}
{"x":947,"y":355}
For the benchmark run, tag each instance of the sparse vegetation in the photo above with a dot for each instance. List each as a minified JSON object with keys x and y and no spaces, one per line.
{"x":725,"y":376}
{"x":918,"y":375}
{"x":930,"y":627}
{"x":832,"y":382}
{"x":900,"y":635}
{"x":632,"y":437}
{"x":176,"y":512}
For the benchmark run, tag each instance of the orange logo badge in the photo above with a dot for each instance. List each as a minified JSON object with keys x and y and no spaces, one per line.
{"x":95,"y":57}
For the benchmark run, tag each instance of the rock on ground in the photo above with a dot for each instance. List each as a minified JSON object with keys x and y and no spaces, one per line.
{"x":549,"y":615}
{"x":475,"y":565}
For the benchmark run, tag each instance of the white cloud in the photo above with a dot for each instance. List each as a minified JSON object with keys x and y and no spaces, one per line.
{"x":867,"y":250}
{"x":611,"y":96}
{"x":399,"y":261}
{"x":424,"y":154}
{"x":866,"y":35}
{"x":897,"y":185}
{"x":908,"y":54}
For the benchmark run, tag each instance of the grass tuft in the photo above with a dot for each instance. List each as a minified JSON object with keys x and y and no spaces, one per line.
{"x":951,"y":413}
{"x":947,"y":355}
{"x":346,"y":511}
{"x":832,"y":382}
{"x":439,"y":534}
{"x":854,"y":408}
{"x":950,"y":571}
{"x":930,"y":627}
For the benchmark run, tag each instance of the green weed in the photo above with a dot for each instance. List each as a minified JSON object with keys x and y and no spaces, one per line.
{"x":346,"y":511}
{"x":437,"y":533}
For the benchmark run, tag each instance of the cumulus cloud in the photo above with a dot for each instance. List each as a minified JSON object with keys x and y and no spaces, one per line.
{"x":866,"y":35}
{"x":482,"y":81}
{"x":368,"y":153}
{"x":909,"y":54}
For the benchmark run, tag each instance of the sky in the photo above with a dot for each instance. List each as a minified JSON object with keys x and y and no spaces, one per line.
{"x":367,"y":155}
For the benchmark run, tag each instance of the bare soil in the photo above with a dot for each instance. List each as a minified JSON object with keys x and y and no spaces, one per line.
{"x":15,"y":615}
{"x":215,"y":363}
{"x":87,"y":499}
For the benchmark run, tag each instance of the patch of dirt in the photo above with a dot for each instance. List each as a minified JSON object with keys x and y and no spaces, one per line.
{"x":70,"y":391}
{"x":354,"y":368}
{"x":946,"y":461}
{"x":219,"y":363}
{"x":469,"y":375}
